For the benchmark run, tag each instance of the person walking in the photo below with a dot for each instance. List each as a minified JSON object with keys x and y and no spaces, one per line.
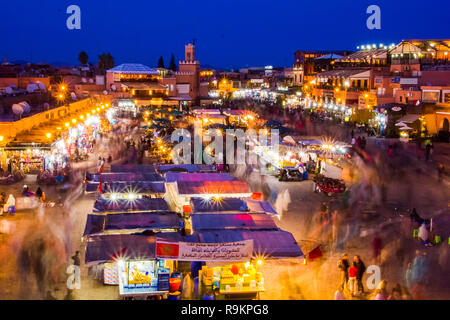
{"x":323,"y":212}
{"x":363,"y":143}
{"x":431,"y":150}
{"x":339,"y":295}
{"x":390,"y":150}
{"x":358,"y":142}
{"x":343,"y":265}
{"x":376,"y":247}
{"x":361,"y":269}
{"x":352,"y":282}
{"x":10,"y":205}
{"x":39,"y":193}
{"x":381,"y":292}
{"x":427,"y":151}
{"x":76,"y":258}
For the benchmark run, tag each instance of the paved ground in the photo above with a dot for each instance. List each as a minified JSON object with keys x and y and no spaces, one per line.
{"x":413,"y":184}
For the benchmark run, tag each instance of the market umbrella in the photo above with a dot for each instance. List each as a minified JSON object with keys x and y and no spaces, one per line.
{"x":272,"y":123}
{"x":219,"y":126}
{"x":400,"y":124}
{"x":283,"y":130}
{"x":406,"y":128}
{"x":290,"y":140}
{"x":161,"y":120}
{"x":156,"y":127}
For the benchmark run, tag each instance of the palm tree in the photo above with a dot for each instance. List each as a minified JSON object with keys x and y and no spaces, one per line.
{"x":105,"y":62}
{"x":83,"y":58}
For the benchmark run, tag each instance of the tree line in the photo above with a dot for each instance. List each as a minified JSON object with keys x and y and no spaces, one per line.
{"x":106,"y":62}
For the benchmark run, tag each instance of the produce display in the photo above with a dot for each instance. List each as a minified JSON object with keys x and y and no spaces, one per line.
{"x":329,"y":185}
{"x":233,"y":278}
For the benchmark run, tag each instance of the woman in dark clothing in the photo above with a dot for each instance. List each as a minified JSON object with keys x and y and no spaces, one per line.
{"x":361,"y":269}
{"x":343,"y":266}
{"x":39,"y":193}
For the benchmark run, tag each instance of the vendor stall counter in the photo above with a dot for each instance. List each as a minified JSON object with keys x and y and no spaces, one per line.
{"x":232,"y":281}
{"x":143,"y":278}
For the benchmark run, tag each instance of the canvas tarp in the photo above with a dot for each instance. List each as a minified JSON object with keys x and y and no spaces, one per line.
{"x":214,"y":221}
{"x":181,"y":176}
{"x":270,"y":243}
{"x":235,"y":188}
{"x":130,"y":222}
{"x":124,"y":205}
{"x":186,"y":167}
{"x":147,"y":168}
{"x":107,"y":248}
{"x":144,"y":187}
{"x":227,"y":204}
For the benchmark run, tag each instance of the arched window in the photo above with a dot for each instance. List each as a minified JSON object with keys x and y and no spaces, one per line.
{"x":445,"y":125}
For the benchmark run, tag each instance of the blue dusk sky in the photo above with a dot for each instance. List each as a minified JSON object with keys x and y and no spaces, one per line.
{"x":229,"y":34}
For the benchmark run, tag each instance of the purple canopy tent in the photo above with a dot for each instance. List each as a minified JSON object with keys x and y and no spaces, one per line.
{"x":108,"y":248}
{"x":124,"y":205}
{"x":130,"y":222}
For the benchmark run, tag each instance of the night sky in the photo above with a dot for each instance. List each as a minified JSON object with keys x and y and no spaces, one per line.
{"x":230,"y":34}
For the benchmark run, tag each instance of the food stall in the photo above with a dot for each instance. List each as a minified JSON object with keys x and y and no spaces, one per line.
{"x":144,"y":277}
{"x":239,"y":280}
{"x":229,"y":271}
{"x":129,"y":262}
{"x":30,"y":158}
{"x":181,"y":187}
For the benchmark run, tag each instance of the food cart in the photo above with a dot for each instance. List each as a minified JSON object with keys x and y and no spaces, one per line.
{"x":329,"y":185}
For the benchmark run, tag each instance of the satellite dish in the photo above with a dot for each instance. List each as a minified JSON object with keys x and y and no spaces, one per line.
{"x":25,"y":106}
{"x":73,"y":95}
{"x":17,"y":109}
{"x":91,"y":80}
{"x":32,"y":87}
{"x":41,"y":85}
{"x":83,"y":80}
{"x":113,"y":87}
{"x":105,"y":92}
